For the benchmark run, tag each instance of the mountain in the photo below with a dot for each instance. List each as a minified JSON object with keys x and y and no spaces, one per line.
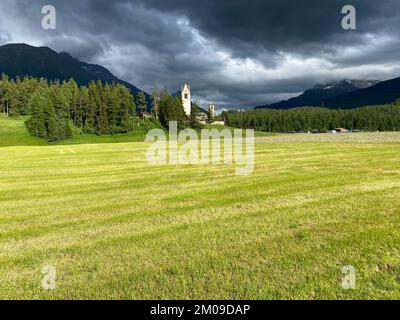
{"x":321,"y":93}
{"x":384,"y":92}
{"x":22,"y":59}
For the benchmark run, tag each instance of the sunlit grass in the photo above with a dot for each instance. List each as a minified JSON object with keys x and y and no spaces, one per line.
{"x":14,"y":133}
{"x":116,"y":227}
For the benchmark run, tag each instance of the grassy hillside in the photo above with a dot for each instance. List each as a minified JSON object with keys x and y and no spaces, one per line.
{"x":116,"y":227}
{"x":14,"y":133}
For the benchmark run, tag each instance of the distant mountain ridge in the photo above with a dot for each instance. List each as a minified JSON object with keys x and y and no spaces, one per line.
{"x":22,"y":59}
{"x":384,"y":92}
{"x":321,"y":93}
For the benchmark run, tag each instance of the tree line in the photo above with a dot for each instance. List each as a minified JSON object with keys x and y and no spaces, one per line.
{"x":371,"y":118}
{"x":60,"y":110}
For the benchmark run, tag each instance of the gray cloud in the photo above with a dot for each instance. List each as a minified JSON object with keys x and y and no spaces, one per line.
{"x":233,"y":53}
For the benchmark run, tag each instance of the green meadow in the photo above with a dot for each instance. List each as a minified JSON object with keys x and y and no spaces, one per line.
{"x":115,"y":227}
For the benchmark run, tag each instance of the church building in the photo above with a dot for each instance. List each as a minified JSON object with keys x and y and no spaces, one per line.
{"x":202,"y":115}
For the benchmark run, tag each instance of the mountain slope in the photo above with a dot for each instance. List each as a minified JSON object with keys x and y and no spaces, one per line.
{"x":22,"y":59}
{"x":382,"y":93}
{"x":321,"y":92}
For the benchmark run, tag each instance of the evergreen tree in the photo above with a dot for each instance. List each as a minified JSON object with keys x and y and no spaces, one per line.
{"x":50,"y":119}
{"x":73,"y":95}
{"x":195,"y":111}
{"x":170,"y":109}
{"x":36,"y":123}
{"x":5,"y":94}
{"x":102,"y":124}
{"x":141,"y":103}
{"x":12,"y":99}
{"x":126,"y":106}
{"x":59,"y":98}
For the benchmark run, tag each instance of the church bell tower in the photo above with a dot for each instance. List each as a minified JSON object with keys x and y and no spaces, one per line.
{"x":186,"y":99}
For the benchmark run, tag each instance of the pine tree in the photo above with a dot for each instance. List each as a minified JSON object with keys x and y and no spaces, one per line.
{"x":85,"y":119}
{"x":127,"y":105}
{"x":170,"y":109}
{"x":50,"y":118}
{"x":102,"y":125}
{"x":73,"y":95}
{"x":113,"y":105}
{"x":12,"y":99}
{"x":59,"y":97}
{"x":193,"y":122}
{"x":141,"y":103}
{"x":36,"y":123}
{"x":5,"y":94}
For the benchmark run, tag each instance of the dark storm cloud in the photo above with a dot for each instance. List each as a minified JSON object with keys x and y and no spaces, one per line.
{"x":283,"y":25}
{"x":232,"y":52}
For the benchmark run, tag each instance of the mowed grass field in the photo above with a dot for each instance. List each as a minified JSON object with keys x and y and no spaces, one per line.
{"x":115,"y":227}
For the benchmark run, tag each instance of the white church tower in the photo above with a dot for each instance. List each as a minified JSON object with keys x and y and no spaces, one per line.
{"x":211,"y":111}
{"x":186,"y":99}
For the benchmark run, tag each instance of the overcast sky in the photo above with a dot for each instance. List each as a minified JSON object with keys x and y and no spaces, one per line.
{"x":233,"y":53}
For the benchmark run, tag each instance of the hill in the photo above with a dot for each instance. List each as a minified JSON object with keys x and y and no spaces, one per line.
{"x":22,"y":59}
{"x":322,"y":92}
